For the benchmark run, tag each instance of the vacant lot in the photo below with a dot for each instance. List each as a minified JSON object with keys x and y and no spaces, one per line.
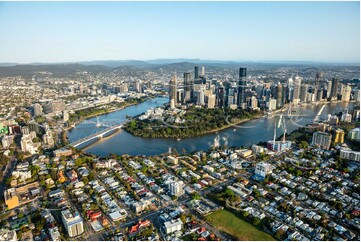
{"x":229,"y":223}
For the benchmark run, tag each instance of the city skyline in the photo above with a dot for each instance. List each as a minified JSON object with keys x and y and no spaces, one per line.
{"x":79,"y":31}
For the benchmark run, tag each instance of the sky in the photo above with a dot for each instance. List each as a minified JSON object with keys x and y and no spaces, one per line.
{"x":238,"y":31}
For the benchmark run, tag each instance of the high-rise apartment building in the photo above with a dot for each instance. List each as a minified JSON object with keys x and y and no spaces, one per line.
{"x":272,"y":104}
{"x":38,"y":109}
{"x":196,"y":72}
{"x":346,"y":93}
{"x":73,"y":223}
{"x":322,"y":140}
{"x":211,"y":101}
{"x":176,"y":188}
{"x":339,"y":136}
{"x":303,"y":93}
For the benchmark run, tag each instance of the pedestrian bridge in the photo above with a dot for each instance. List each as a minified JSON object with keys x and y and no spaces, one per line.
{"x":98,"y":135}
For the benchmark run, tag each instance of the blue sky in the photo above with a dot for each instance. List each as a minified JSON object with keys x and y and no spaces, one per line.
{"x":253,"y":31}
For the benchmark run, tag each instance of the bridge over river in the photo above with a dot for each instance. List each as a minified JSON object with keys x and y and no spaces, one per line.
{"x":98,"y":135}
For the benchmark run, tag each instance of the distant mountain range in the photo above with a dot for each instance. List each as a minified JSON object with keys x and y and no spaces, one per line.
{"x":147,"y":63}
{"x":131,"y":67}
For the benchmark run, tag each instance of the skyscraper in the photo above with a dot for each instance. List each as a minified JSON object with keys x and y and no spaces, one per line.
{"x":297,"y":89}
{"x":279,"y":95}
{"x":220,"y":97}
{"x":173,"y":89}
{"x":334,"y":89}
{"x":196,"y":72}
{"x":328,"y":87}
{"x":317,"y":80}
{"x":253,"y":102}
{"x":242,"y":83}
{"x":211,"y":101}
{"x":200,"y":97}
{"x":203,"y":71}
{"x":303,"y":93}
{"x":188,"y":87}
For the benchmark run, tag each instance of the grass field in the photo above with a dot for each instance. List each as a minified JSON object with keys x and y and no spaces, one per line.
{"x":229,"y":223}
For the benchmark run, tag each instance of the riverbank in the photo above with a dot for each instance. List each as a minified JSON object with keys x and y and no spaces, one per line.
{"x":101,"y":112}
{"x":258,"y":117}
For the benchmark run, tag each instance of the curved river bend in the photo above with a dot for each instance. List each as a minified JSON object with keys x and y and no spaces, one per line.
{"x":246,"y":134}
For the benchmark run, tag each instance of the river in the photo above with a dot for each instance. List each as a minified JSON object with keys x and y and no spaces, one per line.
{"x":245,"y":134}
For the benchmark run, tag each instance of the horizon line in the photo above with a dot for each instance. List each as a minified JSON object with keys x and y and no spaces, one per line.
{"x":185,"y":59}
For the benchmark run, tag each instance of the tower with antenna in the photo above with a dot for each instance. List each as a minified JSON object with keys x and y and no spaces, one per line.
{"x":283,"y":144}
{"x":274,"y":136}
{"x":284,"y":131}
{"x":98,"y":124}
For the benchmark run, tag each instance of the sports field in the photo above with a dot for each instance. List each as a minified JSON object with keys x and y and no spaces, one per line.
{"x":229,"y":223}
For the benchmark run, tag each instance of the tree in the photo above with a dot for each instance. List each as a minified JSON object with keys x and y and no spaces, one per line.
{"x":194,"y":180}
{"x":235,"y":199}
{"x":298,"y":173}
{"x":34,"y":170}
{"x":78,"y":162}
{"x":196,"y":196}
{"x":64,"y":137}
{"x":85,"y":180}
{"x":256,"y":193}
{"x":183,"y":217}
{"x":256,"y":221}
{"x":91,"y":176}
{"x":245,"y":214}
{"x":36,"y":139}
{"x":228,"y":193}
{"x":303,"y":144}
{"x":144,"y":169}
{"x":280,"y":234}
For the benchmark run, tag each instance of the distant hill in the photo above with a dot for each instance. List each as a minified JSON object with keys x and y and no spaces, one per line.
{"x":116,"y":63}
{"x":8,"y":64}
{"x":57,"y":70}
{"x":133,"y":67}
{"x":127,"y":70}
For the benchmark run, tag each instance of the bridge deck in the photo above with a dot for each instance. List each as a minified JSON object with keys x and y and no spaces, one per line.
{"x":95,"y":135}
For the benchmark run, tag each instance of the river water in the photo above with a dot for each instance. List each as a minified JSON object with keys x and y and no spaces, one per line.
{"x":246,"y":134}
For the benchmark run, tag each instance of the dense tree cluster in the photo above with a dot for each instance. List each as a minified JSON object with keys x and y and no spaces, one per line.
{"x":196,"y":121}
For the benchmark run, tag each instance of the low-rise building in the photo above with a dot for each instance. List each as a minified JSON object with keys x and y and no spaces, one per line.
{"x":7,"y":235}
{"x":263,"y":169}
{"x":172,"y":160}
{"x":354,"y":134}
{"x":349,"y":154}
{"x":62,"y":152}
{"x":173,"y":226}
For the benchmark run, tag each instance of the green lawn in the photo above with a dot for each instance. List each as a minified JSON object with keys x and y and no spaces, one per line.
{"x":229,"y":223}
